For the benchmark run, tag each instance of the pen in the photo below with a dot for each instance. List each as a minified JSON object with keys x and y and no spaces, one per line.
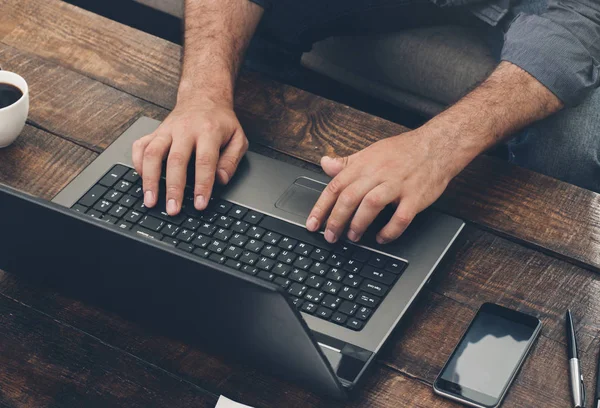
{"x":576,"y":379}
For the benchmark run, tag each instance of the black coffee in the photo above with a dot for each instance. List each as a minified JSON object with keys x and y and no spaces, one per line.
{"x":9,"y":94}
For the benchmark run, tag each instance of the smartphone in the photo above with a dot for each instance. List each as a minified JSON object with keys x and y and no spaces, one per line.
{"x":488,"y":357}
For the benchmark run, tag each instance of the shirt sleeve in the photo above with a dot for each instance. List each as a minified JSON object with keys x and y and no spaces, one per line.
{"x":263,"y":3}
{"x":560,"y":47}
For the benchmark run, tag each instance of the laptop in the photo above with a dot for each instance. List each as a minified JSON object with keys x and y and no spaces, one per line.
{"x":244,"y":276}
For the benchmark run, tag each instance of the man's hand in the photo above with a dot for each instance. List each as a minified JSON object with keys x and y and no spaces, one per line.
{"x":410,"y":171}
{"x":212,"y":131}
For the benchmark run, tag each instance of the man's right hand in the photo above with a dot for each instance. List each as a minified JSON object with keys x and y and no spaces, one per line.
{"x":210,"y":129}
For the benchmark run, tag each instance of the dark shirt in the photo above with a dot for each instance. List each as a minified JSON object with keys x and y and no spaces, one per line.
{"x":559,"y":47}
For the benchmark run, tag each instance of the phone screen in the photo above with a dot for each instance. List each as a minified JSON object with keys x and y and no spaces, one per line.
{"x":483,"y":363}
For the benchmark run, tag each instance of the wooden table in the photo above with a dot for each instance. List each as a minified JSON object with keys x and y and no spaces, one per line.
{"x":532,"y":243}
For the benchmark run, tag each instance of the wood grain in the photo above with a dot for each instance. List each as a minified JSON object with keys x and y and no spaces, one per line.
{"x":42,"y":164}
{"x":148,"y":67}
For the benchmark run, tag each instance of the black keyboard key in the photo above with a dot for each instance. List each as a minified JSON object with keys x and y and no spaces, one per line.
{"x":223,"y":234}
{"x":339,"y":318}
{"x":374,"y":288}
{"x":343,"y":249}
{"x":395,"y":266}
{"x":348,"y":293}
{"x":185,"y":247}
{"x":283,"y":282}
{"x":90,"y":198}
{"x":336,"y":274}
{"x":315,"y":281}
{"x":353,"y":266}
{"x":297,"y":289}
{"x":332,"y":287}
{"x":139,"y":206}
{"x":113,"y":175}
{"x":132,"y":176}
{"x":143,"y":232}
{"x":314,"y":295}
{"x":217,"y":247}
{"x":124,"y":225}
{"x":354,"y":324}
{"x":185,"y":235}
{"x":191,"y":224}
{"x":348,"y":307}
{"x":217,"y":258}
{"x":361,"y":255}
{"x":336,"y":260}
{"x":103,"y":206}
{"x":378,"y":261}
{"x":282,"y":269}
{"x":207,"y":229}
{"x":319,"y":268}
{"x":123,"y":186}
{"x":79,"y":208}
{"x":237,"y":212}
{"x":233,"y":252}
{"x":319,"y":255}
{"x":303,"y":249}
{"x":136,"y":191}
{"x":113,"y":196}
{"x":252,"y":217}
{"x":238,"y":240}
{"x":297,"y":302}
{"x":331,"y":302}
{"x":109,"y":219}
{"x":303,"y":262}
{"x":363,"y":313}
{"x":287,"y":244}
{"x":249,"y":258}
{"x":298,"y":275}
{"x":118,"y":211}
{"x":170,"y":241}
{"x":265,"y":263}
{"x":309,"y":307}
{"x":240,"y":227}
{"x":323,"y":313}
{"x":270,"y":251}
{"x":203,"y":253}
{"x":224,"y":221}
{"x":222,"y":207}
{"x":209,"y":216}
{"x":170,"y":230}
{"x":255,"y":232}
{"x":268,"y":276}
{"x":160,"y":213}
{"x":287,"y":257}
{"x":152,"y":223}
{"x":94,"y":214}
{"x":234,"y":264}
{"x":249,"y":269}
{"x":378,"y":275}
{"x":352,"y":280}
{"x":367,"y":299}
{"x":202,"y":241}
{"x":271,"y":238}
{"x":254,"y":245}
{"x":132,"y":217}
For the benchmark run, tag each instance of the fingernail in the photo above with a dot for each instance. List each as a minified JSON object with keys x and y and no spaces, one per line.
{"x":353,"y":236}
{"x":224,"y":176}
{"x":312,"y":224}
{"x":330,"y":236}
{"x":172,"y":206}
{"x":200,"y":201}
{"x":149,"y":198}
{"x":382,"y":241}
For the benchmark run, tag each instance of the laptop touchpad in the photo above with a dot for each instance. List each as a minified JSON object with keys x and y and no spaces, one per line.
{"x":301,"y":196}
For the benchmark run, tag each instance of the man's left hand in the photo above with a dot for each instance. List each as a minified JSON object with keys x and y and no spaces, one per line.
{"x":410,"y":170}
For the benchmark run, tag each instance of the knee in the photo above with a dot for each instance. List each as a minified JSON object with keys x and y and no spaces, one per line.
{"x":565,"y":146}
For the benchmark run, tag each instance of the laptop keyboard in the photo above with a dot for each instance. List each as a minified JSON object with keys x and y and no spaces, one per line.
{"x":340,"y":283}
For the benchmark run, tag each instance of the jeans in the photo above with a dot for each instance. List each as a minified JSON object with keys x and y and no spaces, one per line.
{"x":565,"y":146}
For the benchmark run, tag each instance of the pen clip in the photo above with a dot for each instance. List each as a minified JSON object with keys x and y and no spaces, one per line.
{"x":583,"y":397}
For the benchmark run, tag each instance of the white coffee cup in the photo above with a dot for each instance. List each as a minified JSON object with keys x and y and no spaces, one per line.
{"x":13,"y":117}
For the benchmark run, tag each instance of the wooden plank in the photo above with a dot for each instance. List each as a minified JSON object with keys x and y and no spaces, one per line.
{"x":533,"y":209}
{"x":46,"y":363}
{"x":42,"y":164}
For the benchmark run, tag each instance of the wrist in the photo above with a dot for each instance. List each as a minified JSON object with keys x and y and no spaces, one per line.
{"x":197,"y":93}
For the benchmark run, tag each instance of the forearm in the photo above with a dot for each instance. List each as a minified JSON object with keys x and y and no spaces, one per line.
{"x":217,"y":33}
{"x":507,"y":101}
